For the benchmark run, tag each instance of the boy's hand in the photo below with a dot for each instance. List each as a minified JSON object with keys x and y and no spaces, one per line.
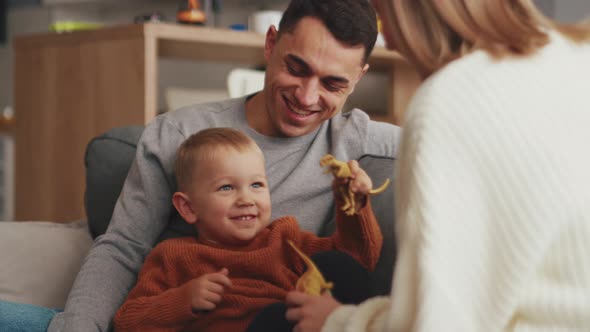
{"x":206,"y":291}
{"x":359,"y":183}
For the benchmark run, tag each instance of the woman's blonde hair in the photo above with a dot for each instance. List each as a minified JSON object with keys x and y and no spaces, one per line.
{"x":431,"y":33}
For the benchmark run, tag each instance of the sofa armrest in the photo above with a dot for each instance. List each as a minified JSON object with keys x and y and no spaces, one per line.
{"x":40,"y":260}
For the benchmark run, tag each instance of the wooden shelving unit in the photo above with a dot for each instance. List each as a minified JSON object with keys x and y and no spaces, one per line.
{"x":6,"y":127}
{"x":71,"y":87}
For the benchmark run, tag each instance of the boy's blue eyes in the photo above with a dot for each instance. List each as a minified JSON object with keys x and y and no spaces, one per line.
{"x":227,"y":187}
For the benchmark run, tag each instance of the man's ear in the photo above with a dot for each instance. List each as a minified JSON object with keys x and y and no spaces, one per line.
{"x":184,"y":207}
{"x":270,"y":41}
{"x":361,"y":74}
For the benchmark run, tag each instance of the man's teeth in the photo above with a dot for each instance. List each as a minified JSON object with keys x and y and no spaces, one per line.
{"x":245,"y":218}
{"x":300,"y":112}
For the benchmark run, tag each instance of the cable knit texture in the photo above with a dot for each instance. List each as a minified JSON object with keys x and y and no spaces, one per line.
{"x":261,"y":273}
{"x":493,"y":197}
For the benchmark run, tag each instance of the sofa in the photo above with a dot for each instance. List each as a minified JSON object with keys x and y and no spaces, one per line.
{"x":40,"y":260}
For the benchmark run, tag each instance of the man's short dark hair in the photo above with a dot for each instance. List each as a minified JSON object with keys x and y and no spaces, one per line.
{"x":352,"y":22}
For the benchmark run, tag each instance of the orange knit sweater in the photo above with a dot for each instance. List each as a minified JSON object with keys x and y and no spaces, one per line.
{"x":261,"y":274}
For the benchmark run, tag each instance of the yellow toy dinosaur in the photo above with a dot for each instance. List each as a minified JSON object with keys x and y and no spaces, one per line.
{"x":341,"y":170}
{"x":311,"y":282}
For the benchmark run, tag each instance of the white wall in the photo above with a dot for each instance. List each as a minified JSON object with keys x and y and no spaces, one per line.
{"x":567,"y":11}
{"x":572,"y":10}
{"x":546,"y":6}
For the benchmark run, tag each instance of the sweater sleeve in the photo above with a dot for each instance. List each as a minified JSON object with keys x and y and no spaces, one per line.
{"x":140,"y":215}
{"x":157,"y":302}
{"x":358,"y":235}
{"x":369,"y":316}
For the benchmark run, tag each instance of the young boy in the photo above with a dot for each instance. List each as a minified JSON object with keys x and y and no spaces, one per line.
{"x":240,"y":264}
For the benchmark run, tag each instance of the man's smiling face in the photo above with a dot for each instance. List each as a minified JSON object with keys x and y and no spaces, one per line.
{"x":309,"y":76}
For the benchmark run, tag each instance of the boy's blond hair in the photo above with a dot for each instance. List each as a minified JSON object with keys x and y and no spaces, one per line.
{"x":203,"y":145}
{"x":431,"y":33}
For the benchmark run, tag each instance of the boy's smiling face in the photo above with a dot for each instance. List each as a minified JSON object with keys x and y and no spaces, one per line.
{"x":230,"y":196}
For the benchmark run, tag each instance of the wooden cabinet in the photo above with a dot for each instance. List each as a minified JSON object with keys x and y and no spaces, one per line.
{"x":71,"y":87}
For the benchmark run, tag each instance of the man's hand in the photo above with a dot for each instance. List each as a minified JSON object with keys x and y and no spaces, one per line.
{"x":207,"y":290}
{"x":309,"y":312}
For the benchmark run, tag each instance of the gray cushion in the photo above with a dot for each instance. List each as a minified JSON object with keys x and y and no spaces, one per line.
{"x":379,"y":169}
{"x":108,"y":159}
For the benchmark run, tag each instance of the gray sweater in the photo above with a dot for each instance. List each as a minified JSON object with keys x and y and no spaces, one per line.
{"x":144,"y":214}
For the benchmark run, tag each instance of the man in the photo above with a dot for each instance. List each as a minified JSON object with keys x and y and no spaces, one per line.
{"x":314,"y":61}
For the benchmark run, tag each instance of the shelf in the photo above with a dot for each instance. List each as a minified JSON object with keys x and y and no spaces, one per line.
{"x":209,"y":44}
{"x":7,"y":127}
{"x":189,"y":43}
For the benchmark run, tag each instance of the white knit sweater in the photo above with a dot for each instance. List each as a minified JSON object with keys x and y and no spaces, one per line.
{"x":493,"y":200}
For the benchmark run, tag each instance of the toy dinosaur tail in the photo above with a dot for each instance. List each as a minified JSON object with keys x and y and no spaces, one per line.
{"x":380,"y":189}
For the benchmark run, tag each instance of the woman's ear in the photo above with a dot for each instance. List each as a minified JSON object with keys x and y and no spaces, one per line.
{"x":183,"y":205}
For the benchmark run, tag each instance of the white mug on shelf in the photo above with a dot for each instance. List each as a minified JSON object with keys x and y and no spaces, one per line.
{"x":261,"y":20}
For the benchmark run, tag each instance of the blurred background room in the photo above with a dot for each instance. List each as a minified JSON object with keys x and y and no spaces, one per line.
{"x":179,"y":80}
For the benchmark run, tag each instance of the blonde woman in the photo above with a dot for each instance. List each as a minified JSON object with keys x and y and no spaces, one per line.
{"x":493,"y":180}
